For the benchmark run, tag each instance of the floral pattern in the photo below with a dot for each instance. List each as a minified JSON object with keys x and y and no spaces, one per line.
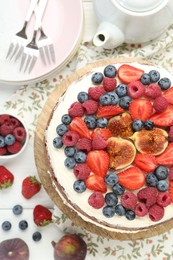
{"x":28,"y":102}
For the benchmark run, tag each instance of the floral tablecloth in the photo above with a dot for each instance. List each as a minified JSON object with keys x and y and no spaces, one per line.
{"x":28,"y":102}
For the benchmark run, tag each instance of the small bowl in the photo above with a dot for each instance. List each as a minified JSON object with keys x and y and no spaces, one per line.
{"x":11,"y":118}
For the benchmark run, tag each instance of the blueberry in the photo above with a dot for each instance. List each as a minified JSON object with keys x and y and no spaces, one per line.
{"x":23,"y":224}
{"x":148,"y":124}
{"x":70,"y":163}
{"x":137,"y":125}
{"x":154,"y":75}
{"x":79,"y":186}
{"x":162,"y":185}
{"x":105,"y":99}
{"x":17,"y":209}
{"x":108,"y":211}
{"x":6,"y":225}
{"x":57,"y":142}
{"x":111,"y":199}
{"x":90,"y":121}
{"x":61,"y":129}
{"x":111,"y":178}
{"x":36,"y":236}
{"x":124,"y":102}
{"x":66,"y":119}
{"x":161,"y":172}
{"x":145,"y":79}
{"x":164,"y":83}
{"x":130,"y":214}
{"x":118,"y":189}
{"x":120,"y":210}
{"x":2,"y":141}
{"x":102,"y":122}
{"x":114,"y":98}
{"x":97,"y":77}
{"x":82,"y":96}
{"x":69,"y":151}
{"x":80,"y":157}
{"x":121,"y":90}
{"x":9,"y":139}
{"x":110,"y":71}
{"x":151,"y":180}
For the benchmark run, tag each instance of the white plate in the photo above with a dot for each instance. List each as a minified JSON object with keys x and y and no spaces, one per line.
{"x":62,"y":22}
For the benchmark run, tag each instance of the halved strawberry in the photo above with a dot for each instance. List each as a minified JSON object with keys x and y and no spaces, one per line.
{"x":96,"y":183}
{"x":140,"y":109}
{"x":164,"y":118}
{"x":109,"y":111}
{"x":79,"y":126}
{"x":170,"y":190}
{"x":168,"y":94}
{"x":166,"y":158}
{"x":98,"y":162}
{"x":132,"y":178}
{"x":127,"y":73}
{"x":145,"y":162}
{"x":104,"y":132}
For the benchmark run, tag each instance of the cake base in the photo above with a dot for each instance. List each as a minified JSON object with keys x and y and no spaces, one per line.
{"x":43,"y":167}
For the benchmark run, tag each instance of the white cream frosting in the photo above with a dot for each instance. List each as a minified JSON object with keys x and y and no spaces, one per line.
{"x":66,"y":177}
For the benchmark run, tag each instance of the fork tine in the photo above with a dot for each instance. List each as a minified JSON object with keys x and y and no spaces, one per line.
{"x":34,"y":59}
{"x":27,"y":62}
{"x":52,"y":52}
{"x":22,"y":61}
{"x":11,"y":47}
{"x":19,"y":53}
{"x":42,"y":55}
{"x":47,"y":53}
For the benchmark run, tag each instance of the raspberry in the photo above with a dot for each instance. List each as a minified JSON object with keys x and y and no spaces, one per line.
{"x":96,"y":200}
{"x":6,"y":128}
{"x":3,"y":150}
{"x":160,"y":104}
{"x":153,"y":90}
{"x":96,"y":92}
{"x":81,"y":171}
{"x":141,"y":209}
{"x":98,"y":142}
{"x":4,"y":119}
{"x":129,"y":200}
{"x":70,"y":138}
{"x":109,"y":84}
{"x":84,"y":144}
{"x":90,"y":107}
{"x":163,"y":199}
{"x":15,"y":122}
{"x":148,"y":196}
{"x":171,"y":174}
{"x":136,"y":89}
{"x":156,"y":212}
{"x":76,"y":109}
{"x":19,"y":134}
{"x":170,"y":134}
{"x":14,"y":148}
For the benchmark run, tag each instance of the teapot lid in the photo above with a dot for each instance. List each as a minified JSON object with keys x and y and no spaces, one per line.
{"x":140,"y":5}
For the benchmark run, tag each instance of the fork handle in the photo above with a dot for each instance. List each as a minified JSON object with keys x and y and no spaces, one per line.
{"x":31,"y":9}
{"x":39,"y":11}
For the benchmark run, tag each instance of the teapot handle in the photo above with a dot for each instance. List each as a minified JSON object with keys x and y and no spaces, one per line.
{"x":108,"y":36}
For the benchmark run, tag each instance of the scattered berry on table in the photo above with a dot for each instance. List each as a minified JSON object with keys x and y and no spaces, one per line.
{"x":110,"y":71}
{"x":145,"y":79}
{"x":121,"y":90}
{"x":36,"y":236}
{"x":160,"y":104}
{"x":70,"y":163}
{"x":82,"y":96}
{"x":9,"y":139}
{"x":111,"y":199}
{"x":57,"y":142}
{"x":97,"y":77}
{"x":42,"y":216}
{"x":30,"y":186}
{"x":154,"y":75}
{"x":23,"y":224}
{"x":130,"y":214}
{"x":69,"y":151}
{"x":120,"y":210}
{"x":17,"y":209}
{"x":6,"y":225}
{"x":96,"y":200}
{"x":124,"y":102}
{"x":137,"y":125}
{"x":111,"y":178}
{"x":6,"y":177}
{"x":162,"y":185}
{"x":161,"y":172}
{"x":66,"y":119}
{"x":79,"y":186}
{"x":136,"y":89}
{"x":61,"y":129}
{"x":164,"y":83}
{"x":109,"y":211}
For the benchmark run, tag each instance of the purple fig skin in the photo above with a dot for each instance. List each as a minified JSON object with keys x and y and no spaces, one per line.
{"x":70,"y":247}
{"x":14,"y":249}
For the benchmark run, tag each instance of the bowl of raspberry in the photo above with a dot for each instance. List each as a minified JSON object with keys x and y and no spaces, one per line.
{"x":13,"y":136}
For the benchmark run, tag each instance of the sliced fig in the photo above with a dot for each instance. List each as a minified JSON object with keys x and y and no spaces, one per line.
{"x":121,"y":125}
{"x":121,"y":151}
{"x":14,"y":249}
{"x":150,"y":141}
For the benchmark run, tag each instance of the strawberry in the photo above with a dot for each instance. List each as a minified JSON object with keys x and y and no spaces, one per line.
{"x":164,"y":118}
{"x":79,"y":126}
{"x":42,"y":216}
{"x":132,"y":178}
{"x":140,"y":109}
{"x":109,"y":111}
{"x":30,"y":187}
{"x":104,"y":132}
{"x":166,"y":158}
{"x":170,"y":190}
{"x":127,"y":73}
{"x":6,"y":178}
{"x":96,"y":183}
{"x":145,"y":162}
{"x":98,"y":161}
{"x":168,"y":94}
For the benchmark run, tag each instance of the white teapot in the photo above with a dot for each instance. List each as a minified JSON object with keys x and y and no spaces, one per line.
{"x":131,"y":21}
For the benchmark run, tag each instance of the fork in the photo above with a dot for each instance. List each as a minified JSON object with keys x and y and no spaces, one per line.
{"x":20,"y":38}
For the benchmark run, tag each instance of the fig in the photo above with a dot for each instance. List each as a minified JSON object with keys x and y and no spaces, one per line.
{"x":121,"y":152}
{"x":150,"y":141}
{"x":121,"y":125}
{"x":70,"y":247}
{"x":14,"y":249}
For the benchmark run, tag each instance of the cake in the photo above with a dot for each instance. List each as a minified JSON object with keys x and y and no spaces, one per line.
{"x":134,"y":151}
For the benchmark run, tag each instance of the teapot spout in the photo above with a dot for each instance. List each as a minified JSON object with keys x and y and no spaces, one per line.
{"x":108,"y":36}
